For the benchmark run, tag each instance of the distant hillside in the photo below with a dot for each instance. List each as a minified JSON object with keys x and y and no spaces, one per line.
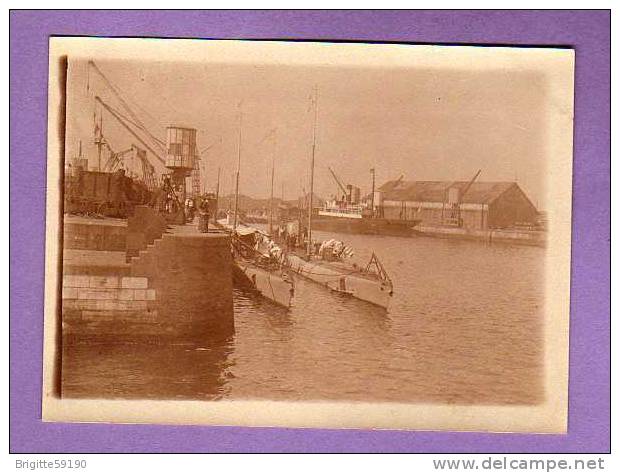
{"x":247,"y":203}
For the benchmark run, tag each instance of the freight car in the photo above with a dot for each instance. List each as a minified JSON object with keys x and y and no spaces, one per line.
{"x":103,"y":193}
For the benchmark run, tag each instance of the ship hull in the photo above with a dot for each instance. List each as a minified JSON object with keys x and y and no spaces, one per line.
{"x":364,"y":226}
{"x":269,"y":284}
{"x":375,"y":292}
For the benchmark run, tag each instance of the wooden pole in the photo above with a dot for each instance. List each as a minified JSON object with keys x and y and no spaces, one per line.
{"x":217,"y":195}
{"x":238,"y":169}
{"x":372,"y":195}
{"x":273,"y":161}
{"x":316,"y":106}
{"x":99,"y":142}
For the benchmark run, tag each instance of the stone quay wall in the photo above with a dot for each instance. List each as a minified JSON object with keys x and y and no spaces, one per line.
{"x":192,"y":276}
{"x":82,"y":233}
{"x":130,"y":279}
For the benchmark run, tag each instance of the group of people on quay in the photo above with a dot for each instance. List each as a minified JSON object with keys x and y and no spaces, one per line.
{"x":202,"y":206}
{"x":287,"y":236}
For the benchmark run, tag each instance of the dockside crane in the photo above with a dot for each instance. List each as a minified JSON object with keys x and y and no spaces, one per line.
{"x":455,"y":199}
{"x":147,"y":171}
{"x":342,"y":188}
{"x":123,"y":122}
{"x":178,"y":154}
{"x":158,"y":147}
{"x":468,"y":186}
{"x":116,"y":159}
{"x":135,"y":120}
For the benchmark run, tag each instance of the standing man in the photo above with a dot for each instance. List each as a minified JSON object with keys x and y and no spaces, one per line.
{"x":204,"y":213}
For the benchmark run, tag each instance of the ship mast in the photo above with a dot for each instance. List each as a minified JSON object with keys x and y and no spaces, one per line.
{"x":99,"y":141}
{"x":237,"y":176}
{"x":273,"y":162}
{"x":217,"y":195}
{"x":316,"y":106}
{"x":372,"y":195}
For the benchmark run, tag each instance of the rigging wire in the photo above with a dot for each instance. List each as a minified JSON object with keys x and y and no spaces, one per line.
{"x":122,"y":122}
{"x":137,"y":122}
{"x":130,"y":121}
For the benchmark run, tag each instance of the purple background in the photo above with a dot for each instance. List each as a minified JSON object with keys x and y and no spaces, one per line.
{"x":587,"y":31}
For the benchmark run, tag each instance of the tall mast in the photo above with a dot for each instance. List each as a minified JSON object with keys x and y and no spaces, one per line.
{"x":273,"y":162}
{"x":99,"y":142}
{"x":372,"y":195}
{"x":316,"y":106}
{"x":217,"y":194}
{"x":237,"y":177}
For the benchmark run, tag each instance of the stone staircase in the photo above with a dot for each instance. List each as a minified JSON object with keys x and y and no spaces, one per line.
{"x":95,"y":263}
{"x":97,"y":286}
{"x":170,"y":281}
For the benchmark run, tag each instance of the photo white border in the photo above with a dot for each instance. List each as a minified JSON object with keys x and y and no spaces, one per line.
{"x":548,"y":417}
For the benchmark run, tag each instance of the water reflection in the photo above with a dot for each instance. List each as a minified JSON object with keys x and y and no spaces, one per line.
{"x":465,"y":326}
{"x":107,"y":369}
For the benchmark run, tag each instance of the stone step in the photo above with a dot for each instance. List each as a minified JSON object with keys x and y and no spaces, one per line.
{"x":73,"y":257}
{"x":87,"y":233}
{"x":107,"y":304}
{"x":123,"y":316}
{"x":104,"y":294}
{"x":80,"y":269}
{"x":104,"y":282}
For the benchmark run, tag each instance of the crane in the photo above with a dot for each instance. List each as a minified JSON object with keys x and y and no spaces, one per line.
{"x":146,"y":173}
{"x":115,"y":158}
{"x":148,"y":170}
{"x":455,"y":206}
{"x":135,"y":127}
{"x":122,"y":121}
{"x":342,"y":188}
{"x":135,"y":119}
{"x":467,"y":187}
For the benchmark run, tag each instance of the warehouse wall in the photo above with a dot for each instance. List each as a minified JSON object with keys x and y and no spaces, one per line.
{"x":511,"y":208}
{"x":433,"y":213}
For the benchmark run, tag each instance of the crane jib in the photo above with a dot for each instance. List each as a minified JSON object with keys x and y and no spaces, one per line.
{"x":116,"y":115}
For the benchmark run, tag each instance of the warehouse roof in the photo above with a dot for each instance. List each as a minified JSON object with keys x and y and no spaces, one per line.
{"x":436,"y":191}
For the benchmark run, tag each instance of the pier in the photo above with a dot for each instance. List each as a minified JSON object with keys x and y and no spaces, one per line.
{"x":140,"y":278}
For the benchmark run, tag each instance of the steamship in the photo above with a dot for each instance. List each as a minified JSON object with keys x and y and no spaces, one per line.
{"x":351,"y":218}
{"x":350,"y":215}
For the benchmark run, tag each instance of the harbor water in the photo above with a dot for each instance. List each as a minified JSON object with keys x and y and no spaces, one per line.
{"x":465,"y":326}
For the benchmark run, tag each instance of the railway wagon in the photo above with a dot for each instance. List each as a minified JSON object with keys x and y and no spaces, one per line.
{"x":103,"y":193}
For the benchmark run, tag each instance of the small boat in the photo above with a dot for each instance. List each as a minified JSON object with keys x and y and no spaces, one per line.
{"x":371,"y":283}
{"x":329,"y":268}
{"x":257,"y":268}
{"x":255,"y":218}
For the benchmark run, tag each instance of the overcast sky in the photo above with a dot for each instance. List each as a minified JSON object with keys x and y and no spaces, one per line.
{"x":427,"y":125}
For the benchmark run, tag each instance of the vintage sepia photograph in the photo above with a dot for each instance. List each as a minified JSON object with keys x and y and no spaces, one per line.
{"x":308,"y":234}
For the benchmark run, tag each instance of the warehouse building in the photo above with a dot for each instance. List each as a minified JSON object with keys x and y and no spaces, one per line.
{"x":478,"y":205}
